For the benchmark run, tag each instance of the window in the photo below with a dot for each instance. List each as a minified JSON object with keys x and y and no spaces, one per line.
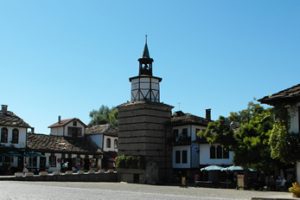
{"x":219,"y":151}
{"x":8,"y":159}
{"x":4,"y":135}
{"x":184,"y":156}
{"x":15,"y":136}
{"x":212,"y":152}
{"x":74,"y":131}
{"x":175,"y":133}
{"x":75,"y":123}
{"x":184,"y":133}
{"x":177,"y":157}
{"x":116,"y":143}
{"x":52,"y":160}
{"x":108,"y":143}
{"x":33,"y":161}
{"x":225,"y":153}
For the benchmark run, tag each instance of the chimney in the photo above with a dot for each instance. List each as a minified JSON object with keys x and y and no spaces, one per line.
{"x":4,"y":109}
{"x":208,"y":114}
{"x":59,"y":119}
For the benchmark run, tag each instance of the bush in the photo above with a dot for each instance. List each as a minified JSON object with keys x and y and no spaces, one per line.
{"x":295,"y":189}
{"x":132,"y":162}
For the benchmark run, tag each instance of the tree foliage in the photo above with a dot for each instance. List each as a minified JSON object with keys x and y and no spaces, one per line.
{"x":284,"y":146}
{"x":245,"y":132}
{"x":104,"y":115}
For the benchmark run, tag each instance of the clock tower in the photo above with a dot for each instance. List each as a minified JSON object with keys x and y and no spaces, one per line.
{"x":145,"y":86}
{"x":144,"y":129}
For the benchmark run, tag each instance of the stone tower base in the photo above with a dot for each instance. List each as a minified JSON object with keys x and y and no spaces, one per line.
{"x":144,"y":133}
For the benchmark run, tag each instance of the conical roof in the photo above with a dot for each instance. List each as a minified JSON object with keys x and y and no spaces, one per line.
{"x":146,"y":51}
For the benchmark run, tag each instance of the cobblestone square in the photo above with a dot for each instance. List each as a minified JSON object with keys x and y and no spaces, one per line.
{"x":13,"y":190}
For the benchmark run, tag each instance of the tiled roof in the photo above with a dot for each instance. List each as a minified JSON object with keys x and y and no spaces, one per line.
{"x":51,"y":143}
{"x":8,"y":118}
{"x":289,"y":94}
{"x":64,"y":122}
{"x":180,"y":118}
{"x":105,"y":129}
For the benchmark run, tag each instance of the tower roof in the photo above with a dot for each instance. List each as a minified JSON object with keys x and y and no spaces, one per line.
{"x":146,"y":51}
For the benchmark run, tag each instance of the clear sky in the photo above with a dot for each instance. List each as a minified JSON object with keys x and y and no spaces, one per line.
{"x":69,"y":57}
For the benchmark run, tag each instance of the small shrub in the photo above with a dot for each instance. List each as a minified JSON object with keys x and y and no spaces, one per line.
{"x":295,"y":189}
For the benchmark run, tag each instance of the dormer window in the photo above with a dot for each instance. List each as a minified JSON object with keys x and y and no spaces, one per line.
{"x":15,"y":136}
{"x":4,"y":135}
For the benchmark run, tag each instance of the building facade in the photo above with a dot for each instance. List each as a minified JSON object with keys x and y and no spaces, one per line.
{"x":190,"y":152}
{"x":13,"y":130}
{"x":106,"y":138}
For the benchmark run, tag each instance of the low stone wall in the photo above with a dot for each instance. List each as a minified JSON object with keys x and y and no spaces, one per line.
{"x":96,"y":177}
{"x":131,"y":175}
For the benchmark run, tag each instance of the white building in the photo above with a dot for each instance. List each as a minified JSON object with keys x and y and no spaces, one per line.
{"x":12,"y":142}
{"x":68,"y":127}
{"x":106,"y":138}
{"x":191,"y":152}
{"x":66,"y":148}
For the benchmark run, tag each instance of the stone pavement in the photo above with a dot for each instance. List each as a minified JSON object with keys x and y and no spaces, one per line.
{"x":94,"y":191}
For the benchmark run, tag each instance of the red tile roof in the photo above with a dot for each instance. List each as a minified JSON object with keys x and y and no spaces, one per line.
{"x":289,"y":94}
{"x":51,"y":143}
{"x":64,"y":122}
{"x":8,"y":118}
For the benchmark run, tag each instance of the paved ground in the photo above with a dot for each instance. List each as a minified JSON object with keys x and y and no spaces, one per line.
{"x":13,"y":190}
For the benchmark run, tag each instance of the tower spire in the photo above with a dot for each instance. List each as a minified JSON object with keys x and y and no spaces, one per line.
{"x":146,"y":61}
{"x":146,"y":50}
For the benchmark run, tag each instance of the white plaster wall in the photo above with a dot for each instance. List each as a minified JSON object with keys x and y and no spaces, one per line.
{"x":22,"y":137}
{"x":181,"y":165}
{"x":204,"y":152}
{"x":59,"y":131}
{"x":298,"y":171}
{"x":53,"y":169}
{"x":112,"y":147}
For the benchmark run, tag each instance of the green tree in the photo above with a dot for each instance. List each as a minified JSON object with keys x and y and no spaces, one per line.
{"x":284,"y":146}
{"x":104,"y":115}
{"x":245,"y":132}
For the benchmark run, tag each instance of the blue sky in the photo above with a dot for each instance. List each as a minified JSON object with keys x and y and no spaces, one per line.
{"x":69,"y":57}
